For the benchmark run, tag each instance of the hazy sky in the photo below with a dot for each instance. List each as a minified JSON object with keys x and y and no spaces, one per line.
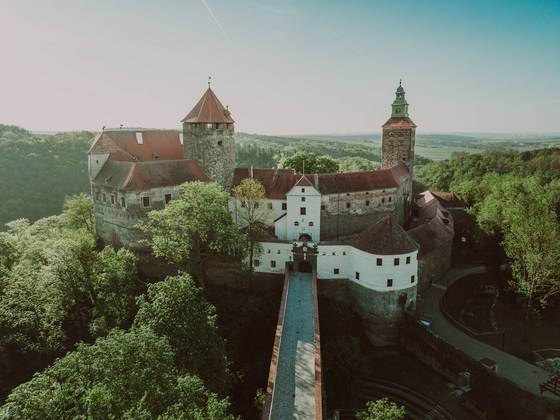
{"x":282,"y":66}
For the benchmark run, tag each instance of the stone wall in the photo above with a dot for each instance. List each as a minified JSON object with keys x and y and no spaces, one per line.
{"x":334,"y":226}
{"x":116,"y":224}
{"x":397,"y":146}
{"x":506,"y":397}
{"x":214,"y":148}
{"x":381,"y":312}
{"x":434,"y":265}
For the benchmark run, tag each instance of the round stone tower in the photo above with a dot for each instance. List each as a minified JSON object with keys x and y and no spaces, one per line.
{"x":399,"y":132}
{"x":208,"y":137}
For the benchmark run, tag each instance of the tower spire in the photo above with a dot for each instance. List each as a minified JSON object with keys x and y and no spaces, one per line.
{"x":209,"y":81}
{"x":400,"y":106}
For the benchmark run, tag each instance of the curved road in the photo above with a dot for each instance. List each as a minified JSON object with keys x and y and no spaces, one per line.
{"x":525,"y":375}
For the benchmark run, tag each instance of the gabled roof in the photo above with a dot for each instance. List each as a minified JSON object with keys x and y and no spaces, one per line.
{"x":403,"y":122}
{"x":139,"y":176}
{"x":436,"y":225}
{"x":361,"y":181}
{"x":122,"y":144}
{"x":276,"y":182}
{"x":449,"y":199}
{"x":386,"y":237}
{"x":304,"y":182}
{"x":208,"y":109}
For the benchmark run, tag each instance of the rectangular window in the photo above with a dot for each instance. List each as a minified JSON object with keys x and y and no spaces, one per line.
{"x":383,"y":200}
{"x":167,"y":198}
{"x":390,"y":199}
{"x":302,"y":198}
{"x":367,"y":203}
{"x":256,"y":263}
{"x":343,"y":252}
{"x":302,"y":211}
{"x":303,"y":190}
{"x":268,"y":251}
{"x":397,"y":261}
{"x":311,"y":223}
{"x":278,"y":252}
{"x":123,"y":202}
{"x":270,"y":206}
{"x":273,"y":264}
{"x":146,"y":201}
{"x":296,"y":223}
{"x":323,"y":207}
{"x":408,"y":260}
{"x":284,"y":206}
{"x":412,"y":278}
{"x":389,"y":282}
{"x":336,"y":271}
{"x":357,"y":276}
{"x":380,"y":262}
{"x":112,"y":198}
{"x":347,"y":205}
{"x":97,"y":196}
{"x":104,"y":197}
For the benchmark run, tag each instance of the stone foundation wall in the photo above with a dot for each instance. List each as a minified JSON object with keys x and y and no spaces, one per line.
{"x":381,"y":312}
{"x":434,"y":265}
{"x":501,"y":395}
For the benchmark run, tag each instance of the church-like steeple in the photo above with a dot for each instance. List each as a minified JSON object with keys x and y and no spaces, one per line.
{"x":400,"y":106}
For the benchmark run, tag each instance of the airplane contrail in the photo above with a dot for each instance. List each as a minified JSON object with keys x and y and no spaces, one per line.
{"x":218,"y":24}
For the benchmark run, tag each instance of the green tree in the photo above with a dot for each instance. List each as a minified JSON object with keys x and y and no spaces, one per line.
{"x":193,"y":226}
{"x":115,"y":286}
{"x":78,"y":213}
{"x":310,"y":163}
{"x":356,"y":164}
{"x":125,"y":375}
{"x":382,"y":409}
{"x":251,"y":213}
{"x":176,"y":309}
{"x":523,"y":212}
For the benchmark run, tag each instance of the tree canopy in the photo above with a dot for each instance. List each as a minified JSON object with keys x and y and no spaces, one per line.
{"x":175,"y":309}
{"x":193,"y":226}
{"x":129,"y":375}
{"x":308,"y":162}
{"x":382,"y":409}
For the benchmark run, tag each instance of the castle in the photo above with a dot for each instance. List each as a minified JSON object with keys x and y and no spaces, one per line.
{"x":363,"y":233}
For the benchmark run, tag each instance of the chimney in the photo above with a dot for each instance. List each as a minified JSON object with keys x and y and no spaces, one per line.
{"x":316,"y":181}
{"x":251,"y":172}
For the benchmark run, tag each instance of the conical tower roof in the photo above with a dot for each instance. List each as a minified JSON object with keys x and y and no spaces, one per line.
{"x":386,"y":237}
{"x":208,"y":109}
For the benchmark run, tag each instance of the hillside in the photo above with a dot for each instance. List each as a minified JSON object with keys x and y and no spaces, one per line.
{"x":41,"y":169}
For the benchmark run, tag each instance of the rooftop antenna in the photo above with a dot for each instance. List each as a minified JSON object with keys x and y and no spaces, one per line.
{"x":400,"y":82}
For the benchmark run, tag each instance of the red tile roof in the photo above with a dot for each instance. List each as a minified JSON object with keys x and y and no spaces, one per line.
{"x":449,"y":199}
{"x":276,"y":182}
{"x":123,"y":145}
{"x":403,"y":122}
{"x":140,"y":176}
{"x":303,"y":182}
{"x":361,"y":181}
{"x":208,"y":109}
{"x":435,"y":226}
{"x":385,"y":237}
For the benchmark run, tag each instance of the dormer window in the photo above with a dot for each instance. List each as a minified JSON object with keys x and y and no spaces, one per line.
{"x":139,"y":138}
{"x":209,"y":125}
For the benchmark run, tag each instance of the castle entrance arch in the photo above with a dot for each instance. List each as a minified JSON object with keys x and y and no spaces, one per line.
{"x":305,"y":266}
